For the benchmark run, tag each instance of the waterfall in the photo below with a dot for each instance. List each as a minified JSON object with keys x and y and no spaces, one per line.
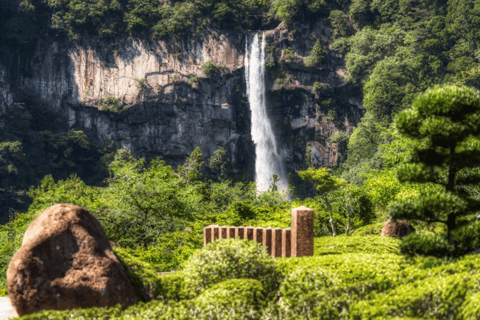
{"x":268,"y":159}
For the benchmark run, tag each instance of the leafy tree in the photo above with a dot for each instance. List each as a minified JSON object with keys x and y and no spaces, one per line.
{"x":143,"y":203}
{"x":210,"y":68}
{"x":190,"y":171}
{"x":316,"y":56}
{"x":325,"y":184}
{"x":219,"y":163}
{"x":445,"y":121}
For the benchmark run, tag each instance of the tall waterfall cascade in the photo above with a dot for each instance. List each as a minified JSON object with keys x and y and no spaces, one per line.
{"x":268,"y":158}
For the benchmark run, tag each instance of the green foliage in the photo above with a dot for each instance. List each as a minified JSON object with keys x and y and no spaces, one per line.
{"x":324,"y":183}
{"x":317,"y":56}
{"x":226,"y":259}
{"x":289,"y":54}
{"x":428,"y":245}
{"x":210,"y":68}
{"x":111,"y":104}
{"x":142,"y":275}
{"x":444,"y":121}
{"x":194,"y":79}
{"x":142,"y":84}
{"x":219,"y":163}
{"x":317,"y":86}
{"x":172,"y":287}
{"x":245,"y":296}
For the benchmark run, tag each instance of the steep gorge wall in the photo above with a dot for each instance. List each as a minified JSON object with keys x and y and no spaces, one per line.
{"x":169,"y":114}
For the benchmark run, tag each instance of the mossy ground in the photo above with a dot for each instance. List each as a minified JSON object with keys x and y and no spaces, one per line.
{"x":356,"y":277}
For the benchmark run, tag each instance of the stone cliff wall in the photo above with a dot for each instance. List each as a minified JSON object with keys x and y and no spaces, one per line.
{"x":170,"y":113}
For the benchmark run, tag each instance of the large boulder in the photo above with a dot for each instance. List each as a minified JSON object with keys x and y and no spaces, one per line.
{"x":399,"y":231}
{"x":66,"y":262}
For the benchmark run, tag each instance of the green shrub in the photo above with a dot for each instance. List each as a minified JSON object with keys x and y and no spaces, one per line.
{"x":316,"y":57}
{"x":111,"y":104}
{"x":210,"y":68}
{"x":142,"y":275}
{"x":356,"y":244}
{"x":371,"y":229}
{"x":244,"y":296}
{"x":427,"y":245}
{"x":226,"y":259}
{"x":317,"y":86}
{"x":172,"y":287}
{"x":289,"y":54}
{"x":467,"y":238}
{"x":194,"y":79}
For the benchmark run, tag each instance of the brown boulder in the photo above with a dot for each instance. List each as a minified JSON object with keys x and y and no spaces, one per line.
{"x":401,"y":230}
{"x":66,"y":262}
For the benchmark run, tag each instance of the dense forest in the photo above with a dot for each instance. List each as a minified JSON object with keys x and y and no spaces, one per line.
{"x":415,"y":61}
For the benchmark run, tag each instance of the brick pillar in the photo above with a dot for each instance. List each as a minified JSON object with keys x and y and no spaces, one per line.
{"x":223,"y":232}
{"x":215,"y":232}
{"x":286,"y":242}
{"x":302,"y":232}
{"x":207,"y":235}
{"x":267,"y":239}
{"x":231,"y":232}
{"x":240,"y":232}
{"x":249,"y":233}
{"x":277,"y":242}
{"x":258,"y":235}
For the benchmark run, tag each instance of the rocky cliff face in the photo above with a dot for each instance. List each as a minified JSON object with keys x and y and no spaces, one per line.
{"x":174,"y":107}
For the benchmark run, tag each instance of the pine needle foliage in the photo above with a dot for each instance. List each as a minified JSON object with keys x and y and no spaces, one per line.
{"x":446,"y":123}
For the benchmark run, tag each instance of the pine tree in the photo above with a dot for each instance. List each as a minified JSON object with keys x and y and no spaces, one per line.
{"x":324,"y":183}
{"x":446,"y":123}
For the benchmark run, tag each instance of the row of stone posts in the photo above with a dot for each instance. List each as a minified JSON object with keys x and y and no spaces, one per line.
{"x":296,"y":241}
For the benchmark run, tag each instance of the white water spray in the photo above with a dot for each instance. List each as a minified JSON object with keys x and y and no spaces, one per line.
{"x":268,"y":159}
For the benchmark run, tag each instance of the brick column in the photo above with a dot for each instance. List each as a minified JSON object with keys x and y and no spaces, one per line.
{"x":276,"y":243}
{"x":215,"y":232}
{"x":240,"y":232}
{"x":207,"y":235}
{"x":302,"y":232}
{"x":267,"y":239}
{"x":223,"y":232}
{"x":258,"y":235}
{"x":231,"y":232}
{"x":286,"y":242}
{"x":249,"y":233}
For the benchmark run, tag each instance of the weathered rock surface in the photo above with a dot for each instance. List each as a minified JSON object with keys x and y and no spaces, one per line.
{"x":174,"y":107}
{"x":66,"y":262}
{"x":399,"y":231}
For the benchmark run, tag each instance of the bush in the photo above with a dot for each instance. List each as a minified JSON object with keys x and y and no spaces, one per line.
{"x":289,"y":54}
{"x":226,"y":259}
{"x":141,"y":274}
{"x":355,"y":244}
{"x":210,"y":68}
{"x":244,"y":296}
{"x":467,"y":238}
{"x":317,"y":86}
{"x":111,"y":104}
{"x":316,"y":57}
{"x":172,"y":287}
{"x":427,"y":245}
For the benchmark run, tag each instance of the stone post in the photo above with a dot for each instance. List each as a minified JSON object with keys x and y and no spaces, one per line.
{"x":276,"y":243}
{"x":267,"y":239}
{"x":207,"y":235}
{"x":258,"y":235}
{"x":240,"y":232}
{"x":223,"y":232}
{"x":249,"y":233}
{"x":231,"y":232}
{"x":286,"y":242}
{"x":302,"y":232}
